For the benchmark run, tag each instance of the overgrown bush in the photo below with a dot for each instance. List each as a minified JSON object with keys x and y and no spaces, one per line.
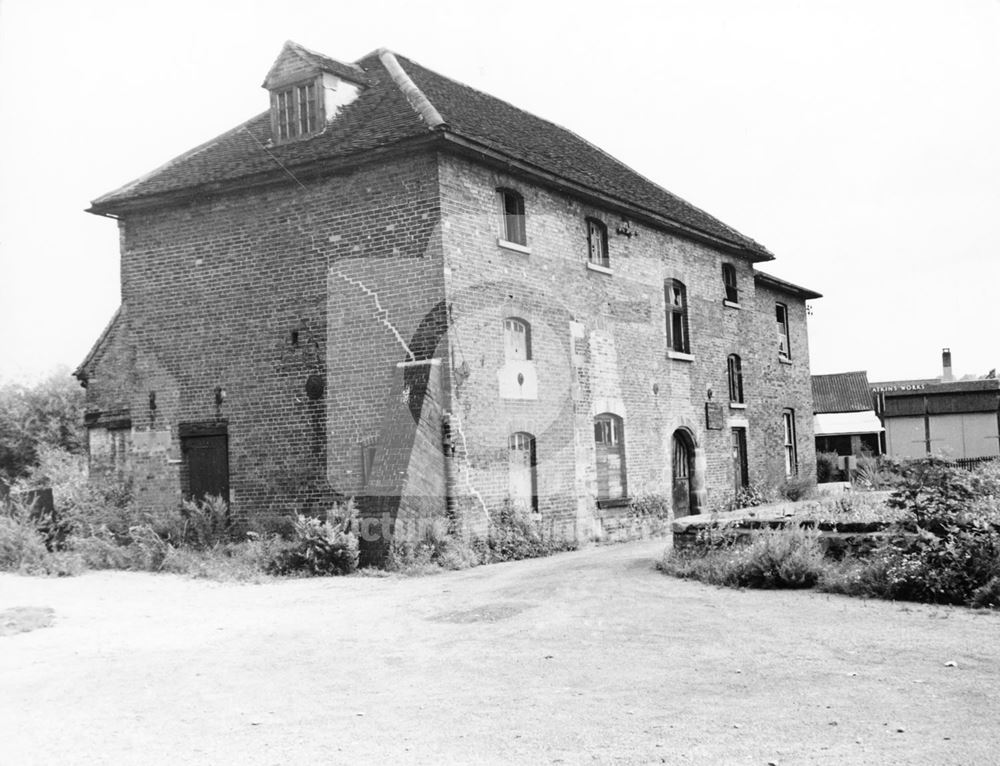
{"x":772,"y":558}
{"x":945,"y":548}
{"x":876,"y":473}
{"x":319,"y":547}
{"x":827,"y":467}
{"x":796,"y":488}
{"x":514,"y":535}
{"x":755,"y":494}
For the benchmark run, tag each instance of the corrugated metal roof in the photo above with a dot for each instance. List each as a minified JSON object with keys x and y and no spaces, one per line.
{"x":841,"y":392}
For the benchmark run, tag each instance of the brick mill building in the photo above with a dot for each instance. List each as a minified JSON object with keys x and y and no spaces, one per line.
{"x":394,"y":287}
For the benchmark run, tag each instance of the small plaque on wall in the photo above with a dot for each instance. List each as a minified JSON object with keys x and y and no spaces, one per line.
{"x":715,"y":418}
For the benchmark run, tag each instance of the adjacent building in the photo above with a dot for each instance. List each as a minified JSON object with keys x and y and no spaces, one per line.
{"x":394,"y":287}
{"x":844,"y":420}
{"x":958,"y":419}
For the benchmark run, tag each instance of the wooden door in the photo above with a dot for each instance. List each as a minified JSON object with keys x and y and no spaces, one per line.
{"x":682,"y":477}
{"x":208,"y":465}
{"x":741,"y":477}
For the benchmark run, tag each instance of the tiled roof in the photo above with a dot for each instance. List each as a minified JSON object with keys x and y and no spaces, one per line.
{"x":787,"y":287}
{"x":842,"y":392}
{"x":351,"y":72}
{"x":382,"y":116}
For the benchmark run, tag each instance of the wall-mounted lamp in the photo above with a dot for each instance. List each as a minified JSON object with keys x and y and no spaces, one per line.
{"x":152,"y":401}
{"x":220,"y":396}
{"x":625,"y":229}
{"x":709,"y":394}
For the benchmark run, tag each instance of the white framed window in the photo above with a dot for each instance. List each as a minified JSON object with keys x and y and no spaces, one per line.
{"x":791,"y":452}
{"x":784,"y":343}
{"x":511,"y":208}
{"x":597,"y":243}
{"x":729,"y":283}
{"x":675,"y":296}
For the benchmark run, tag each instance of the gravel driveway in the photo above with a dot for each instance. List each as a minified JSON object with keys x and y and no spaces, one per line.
{"x":585,"y":657}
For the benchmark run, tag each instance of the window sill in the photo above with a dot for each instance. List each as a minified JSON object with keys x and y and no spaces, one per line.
{"x":598,"y":269}
{"x":784,"y":360}
{"x":614,"y":502}
{"x":731,"y":304}
{"x":523,"y":249}
{"x":680,"y":356}
{"x":737,"y":406}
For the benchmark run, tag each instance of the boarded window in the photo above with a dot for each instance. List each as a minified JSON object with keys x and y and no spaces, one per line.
{"x":522,"y":472}
{"x":516,"y":340}
{"x":609,"y":441}
{"x":735,"y":372}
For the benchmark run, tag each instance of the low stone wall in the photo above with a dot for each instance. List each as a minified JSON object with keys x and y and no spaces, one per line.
{"x":836,"y":537}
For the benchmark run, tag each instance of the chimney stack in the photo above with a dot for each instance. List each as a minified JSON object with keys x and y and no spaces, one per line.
{"x":946,"y":365}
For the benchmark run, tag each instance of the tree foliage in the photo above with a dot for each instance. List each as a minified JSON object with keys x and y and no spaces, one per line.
{"x":32,"y":417}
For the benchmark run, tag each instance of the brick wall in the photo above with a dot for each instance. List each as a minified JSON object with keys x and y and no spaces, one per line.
{"x":781,"y":386}
{"x":599,"y":345}
{"x":346,"y":278}
{"x":233,"y":293}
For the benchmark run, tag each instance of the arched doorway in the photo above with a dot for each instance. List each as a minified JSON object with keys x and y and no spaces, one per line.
{"x":684,"y":501}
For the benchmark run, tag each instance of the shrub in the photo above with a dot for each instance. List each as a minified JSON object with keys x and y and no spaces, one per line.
{"x":22,"y":549}
{"x":827,"y":467}
{"x":203,"y":524}
{"x":987,"y":595}
{"x":319,"y":547}
{"x":945,"y":548}
{"x":876,"y":473}
{"x":514,"y":535}
{"x":796,"y":488}
{"x":790,"y":557}
{"x":20,"y":544}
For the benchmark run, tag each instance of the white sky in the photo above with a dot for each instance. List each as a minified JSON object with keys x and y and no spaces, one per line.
{"x":858,"y":141}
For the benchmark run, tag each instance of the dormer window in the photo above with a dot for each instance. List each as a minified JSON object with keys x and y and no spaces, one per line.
{"x":308,"y":90}
{"x":296,"y":111}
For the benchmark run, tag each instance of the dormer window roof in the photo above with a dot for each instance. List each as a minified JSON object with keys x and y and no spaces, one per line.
{"x":308,"y":90}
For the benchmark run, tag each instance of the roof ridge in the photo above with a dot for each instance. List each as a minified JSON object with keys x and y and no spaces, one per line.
{"x":414,"y":96}
{"x":311,"y":52}
{"x":125,"y":188}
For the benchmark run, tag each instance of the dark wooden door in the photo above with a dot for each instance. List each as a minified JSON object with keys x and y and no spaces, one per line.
{"x":741,"y":477}
{"x":208,"y":465}
{"x":682,"y":478}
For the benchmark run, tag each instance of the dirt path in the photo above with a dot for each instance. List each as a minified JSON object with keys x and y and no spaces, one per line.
{"x":587,"y":657}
